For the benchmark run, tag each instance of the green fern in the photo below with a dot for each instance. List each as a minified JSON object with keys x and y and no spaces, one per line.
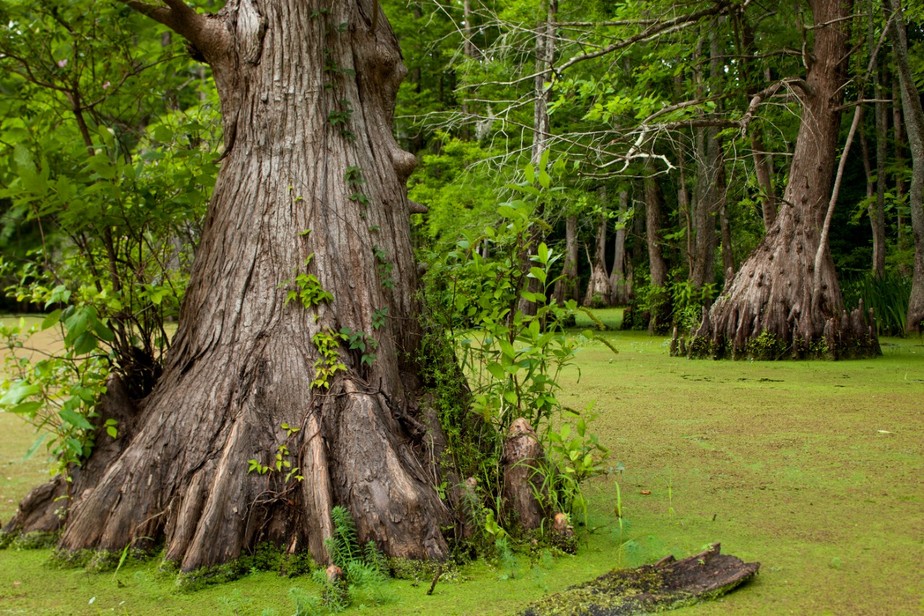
{"x":343,"y":545}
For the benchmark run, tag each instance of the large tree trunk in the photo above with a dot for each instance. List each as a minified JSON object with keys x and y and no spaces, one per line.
{"x":311,"y":185}
{"x":914,"y":125}
{"x":778,"y":305}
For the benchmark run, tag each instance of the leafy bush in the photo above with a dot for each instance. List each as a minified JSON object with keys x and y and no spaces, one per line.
{"x":511,"y":358}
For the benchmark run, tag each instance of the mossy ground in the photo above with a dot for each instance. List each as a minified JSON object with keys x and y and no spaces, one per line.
{"x":811,"y":468}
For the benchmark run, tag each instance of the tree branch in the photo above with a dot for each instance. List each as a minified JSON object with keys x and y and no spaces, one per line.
{"x":205,"y":34}
{"x":663,"y":27}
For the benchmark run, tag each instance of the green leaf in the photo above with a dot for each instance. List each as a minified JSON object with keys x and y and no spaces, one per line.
{"x":51,"y":320}
{"x":85,"y":343}
{"x":27,"y":408}
{"x":496,"y":370}
{"x":19,"y":391}
{"x":538,"y":273}
{"x":75,"y":419}
{"x":103,"y":332}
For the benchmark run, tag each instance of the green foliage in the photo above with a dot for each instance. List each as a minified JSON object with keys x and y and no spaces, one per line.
{"x":384,"y":267}
{"x":328,"y":364}
{"x":576,"y":455}
{"x":887,"y":297}
{"x":308,"y":290}
{"x":58,"y":394}
{"x":115,"y":183}
{"x":362,"y":344}
{"x":361,"y":579}
{"x":766,"y":345}
{"x":511,"y":360}
{"x":687,"y":303}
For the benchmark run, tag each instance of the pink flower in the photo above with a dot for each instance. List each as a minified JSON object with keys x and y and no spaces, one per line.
{"x":62,"y":63}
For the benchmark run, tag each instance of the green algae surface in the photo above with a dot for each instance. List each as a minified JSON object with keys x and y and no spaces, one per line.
{"x":811,"y":468}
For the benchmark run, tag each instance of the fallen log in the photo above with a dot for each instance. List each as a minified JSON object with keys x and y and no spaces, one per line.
{"x":665,"y":585}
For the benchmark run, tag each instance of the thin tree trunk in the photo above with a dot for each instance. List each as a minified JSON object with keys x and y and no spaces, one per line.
{"x":545,"y":57}
{"x":659,"y":304}
{"x":310,"y":202}
{"x":566,"y":287}
{"x":782,"y":303}
{"x":619,"y":285}
{"x":728,"y":255}
{"x":763,"y":161}
{"x":914,"y":125}
{"x":598,"y":287}
{"x":711,"y":180}
{"x":657,"y":267}
{"x":877,"y":207}
{"x":898,"y":130}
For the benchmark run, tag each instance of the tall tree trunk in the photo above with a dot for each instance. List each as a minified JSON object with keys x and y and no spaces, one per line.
{"x":728,"y":255}
{"x":778,"y":305}
{"x":310,"y":202}
{"x":710,"y":176}
{"x":659,"y":315}
{"x":877,"y":207}
{"x":545,"y":57}
{"x":598,"y":287}
{"x":654,"y":200}
{"x":763,"y":162}
{"x":914,"y":125}
{"x":898,"y":130}
{"x":566,"y":287}
{"x":620,"y":289}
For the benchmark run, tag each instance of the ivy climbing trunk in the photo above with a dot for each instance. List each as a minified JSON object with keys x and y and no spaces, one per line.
{"x":785,"y":300}
{"x":309,"y":206}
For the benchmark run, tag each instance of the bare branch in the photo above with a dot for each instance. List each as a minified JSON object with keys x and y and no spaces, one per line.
{"x":652,"y":31}
{"x":766,"y":93}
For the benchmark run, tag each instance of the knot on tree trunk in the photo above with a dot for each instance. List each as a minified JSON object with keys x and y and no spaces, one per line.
{"x":522,"y":463}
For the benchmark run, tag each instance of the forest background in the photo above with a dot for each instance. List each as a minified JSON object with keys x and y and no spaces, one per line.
{"x":661,"y":141}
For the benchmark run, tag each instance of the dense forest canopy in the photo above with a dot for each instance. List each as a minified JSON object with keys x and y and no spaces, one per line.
{"x":745,"y":174}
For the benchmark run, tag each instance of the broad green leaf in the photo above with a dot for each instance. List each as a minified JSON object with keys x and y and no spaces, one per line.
{"x":51,"y":320}
{"x":75,"y":419}
{"x":19,"y":391}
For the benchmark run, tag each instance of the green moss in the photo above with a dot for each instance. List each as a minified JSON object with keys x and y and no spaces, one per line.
{"x":767,"y":346}
{"x":28,"y":541}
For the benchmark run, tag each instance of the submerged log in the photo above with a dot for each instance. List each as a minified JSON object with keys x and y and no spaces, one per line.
{"x":665,"y":585}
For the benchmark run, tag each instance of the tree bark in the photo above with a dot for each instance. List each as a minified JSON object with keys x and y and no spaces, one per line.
{"x":311,"y":184}
{"x":665,"y":585}
{"x":598,"y":287}
{"x":566,"y":287}
{"x":914,"y":126}
{"x":545,"y":57}
{"x":659,"y":304}
{"x":778,"y":305}
{"x":877,"y":207}
{"x":654,"y":200}
{"x":621,"y":290}
{"x":763,"y":162}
